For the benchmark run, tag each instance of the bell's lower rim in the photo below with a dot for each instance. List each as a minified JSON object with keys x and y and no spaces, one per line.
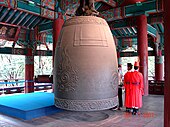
{"x":86,"y":105}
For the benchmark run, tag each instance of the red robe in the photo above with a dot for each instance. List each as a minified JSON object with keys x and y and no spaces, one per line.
{"x":137,"y":89}
{"x":128,"y":87}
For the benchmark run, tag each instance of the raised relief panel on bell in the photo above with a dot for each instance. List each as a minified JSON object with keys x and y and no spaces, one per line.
{"x":85,"y":36}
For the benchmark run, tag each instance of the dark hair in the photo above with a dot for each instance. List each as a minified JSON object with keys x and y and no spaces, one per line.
{"x":129,"y":65}
{"x":136,"y":67}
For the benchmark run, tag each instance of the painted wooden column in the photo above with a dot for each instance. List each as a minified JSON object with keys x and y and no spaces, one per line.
{"x":29,"y":71}
{"x":167,"y":63}
{"x":119,"y":59}
{"x":57,"y":25}
{"x":143,"y":48}
{"x":158,"y":64}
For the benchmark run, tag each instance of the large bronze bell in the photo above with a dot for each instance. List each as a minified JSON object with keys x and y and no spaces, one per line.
{"x":85,"y":67}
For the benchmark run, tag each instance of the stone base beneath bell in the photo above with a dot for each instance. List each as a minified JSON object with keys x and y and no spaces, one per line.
{"x":86,"y":105}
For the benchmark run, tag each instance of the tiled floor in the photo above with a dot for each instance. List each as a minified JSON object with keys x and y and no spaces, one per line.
{"x":151,"y":116}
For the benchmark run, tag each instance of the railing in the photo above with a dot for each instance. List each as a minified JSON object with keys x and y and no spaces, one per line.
{"x":156,"y":87}
{"x":18,"y":86}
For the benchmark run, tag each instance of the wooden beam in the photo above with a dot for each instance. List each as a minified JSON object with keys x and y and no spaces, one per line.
{"x":131,"y":22}
{"x":22,"y":51}
{"x":132,"y":54}
{"x":131,"y":10}
{"x":151,"y":30}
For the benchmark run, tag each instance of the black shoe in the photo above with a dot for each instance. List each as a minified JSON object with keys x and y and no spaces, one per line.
{"x":137,"y":111}
{"x":133,"y":111}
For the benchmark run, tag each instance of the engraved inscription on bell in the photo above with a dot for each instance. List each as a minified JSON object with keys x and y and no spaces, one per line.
{"x":85,"y":67}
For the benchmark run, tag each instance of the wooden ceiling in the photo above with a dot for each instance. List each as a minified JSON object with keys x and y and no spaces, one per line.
{"x":26,"y":15}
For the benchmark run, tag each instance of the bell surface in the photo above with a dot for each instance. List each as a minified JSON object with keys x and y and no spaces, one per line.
{"x":85,"y":66}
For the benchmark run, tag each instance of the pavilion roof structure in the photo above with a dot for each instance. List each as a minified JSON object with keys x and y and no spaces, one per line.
{"x":28,"y":16}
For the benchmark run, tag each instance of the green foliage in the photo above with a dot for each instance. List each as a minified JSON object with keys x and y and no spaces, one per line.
{"x":151,"y":64}
{"x":42,"y":65}
{"x":13,"y":66}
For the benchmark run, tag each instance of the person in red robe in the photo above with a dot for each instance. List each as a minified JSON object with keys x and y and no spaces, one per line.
{"x":127,"y":86}
{"x":137,"y":89}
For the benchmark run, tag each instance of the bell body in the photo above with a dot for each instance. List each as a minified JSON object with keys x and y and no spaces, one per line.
{"x":85,"y":66}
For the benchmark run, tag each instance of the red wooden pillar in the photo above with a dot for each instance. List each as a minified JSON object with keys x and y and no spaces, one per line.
{"x":119,"y":58}
{"x":57,"y":25}
{"x":159,"y":66}
{"x":143,"y":48}
{"x":29,"y":71}
{"x":167,"y":63}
